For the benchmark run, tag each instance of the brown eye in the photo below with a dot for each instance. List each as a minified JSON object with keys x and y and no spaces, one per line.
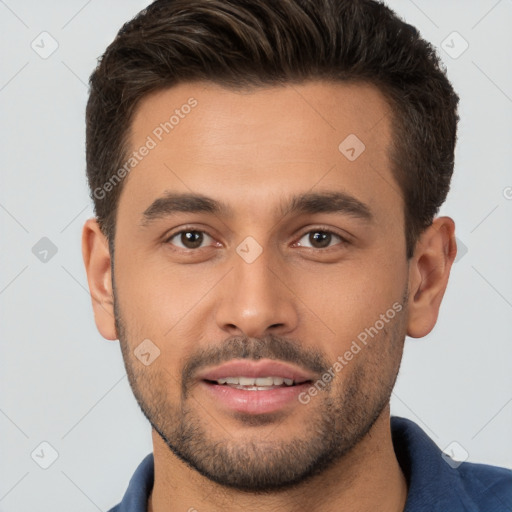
{"x":319,"y":239}
{"x":188,"y":239}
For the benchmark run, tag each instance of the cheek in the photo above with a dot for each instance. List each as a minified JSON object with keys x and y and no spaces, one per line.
{"x":157,"y":295}
{"x":355,"y":302}
{"x":352,"y":293}
{"x":169,"y":305}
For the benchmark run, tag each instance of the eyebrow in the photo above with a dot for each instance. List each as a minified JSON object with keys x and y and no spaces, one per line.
{"x":172,"y":203}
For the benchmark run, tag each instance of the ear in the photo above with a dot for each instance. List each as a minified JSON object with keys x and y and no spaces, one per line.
{"x":96,"y":257}
{"x":429,"y":270}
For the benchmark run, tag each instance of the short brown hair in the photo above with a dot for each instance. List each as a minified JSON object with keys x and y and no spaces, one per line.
{"x":250,"y":43}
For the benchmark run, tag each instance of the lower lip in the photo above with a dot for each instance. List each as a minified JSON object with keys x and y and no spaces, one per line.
{"x":255,"y":402}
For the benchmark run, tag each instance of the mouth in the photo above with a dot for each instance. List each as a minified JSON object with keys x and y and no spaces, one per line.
{"x":255,"y":387}
{"x":257,"y":383}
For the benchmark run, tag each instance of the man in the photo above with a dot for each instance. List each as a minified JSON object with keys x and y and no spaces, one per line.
{"x":266,"y":177}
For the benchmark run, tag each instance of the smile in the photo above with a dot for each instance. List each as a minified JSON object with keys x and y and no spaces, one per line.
{"x":255,"y":387}
{"x":256,"y":383}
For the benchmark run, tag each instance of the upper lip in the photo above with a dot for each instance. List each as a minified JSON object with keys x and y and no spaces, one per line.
{"x":261,"y":368}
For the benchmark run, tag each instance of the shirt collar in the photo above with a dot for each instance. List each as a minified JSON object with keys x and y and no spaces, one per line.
{"x":139,"y":488}
{"x":432,"y":483}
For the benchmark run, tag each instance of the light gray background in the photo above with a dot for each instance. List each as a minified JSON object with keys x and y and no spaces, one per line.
{"x":62,"y":383}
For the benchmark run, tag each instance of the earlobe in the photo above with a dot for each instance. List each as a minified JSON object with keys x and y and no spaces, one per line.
{"x":96,"y":256}
{"x":428,"y":275}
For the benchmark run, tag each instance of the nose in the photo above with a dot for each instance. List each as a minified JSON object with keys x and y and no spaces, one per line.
{"x":255,"y":299}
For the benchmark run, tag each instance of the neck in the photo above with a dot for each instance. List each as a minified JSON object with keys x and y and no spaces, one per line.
{"x":368,"y":478}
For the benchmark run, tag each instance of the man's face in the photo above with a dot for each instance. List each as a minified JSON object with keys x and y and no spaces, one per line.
{"x":258,"y":281}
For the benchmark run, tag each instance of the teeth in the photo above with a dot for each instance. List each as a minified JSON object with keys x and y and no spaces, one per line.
{"x":263,"y":381}
{"x":259,"y":382}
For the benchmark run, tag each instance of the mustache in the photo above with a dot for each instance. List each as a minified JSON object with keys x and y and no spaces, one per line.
{"x":244,"y":347}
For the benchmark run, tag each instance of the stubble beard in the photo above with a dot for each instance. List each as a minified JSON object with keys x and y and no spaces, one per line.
{"x":334,"y":421}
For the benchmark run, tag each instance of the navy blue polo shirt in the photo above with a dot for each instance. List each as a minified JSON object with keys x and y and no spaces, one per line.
{"x":434,"y":485}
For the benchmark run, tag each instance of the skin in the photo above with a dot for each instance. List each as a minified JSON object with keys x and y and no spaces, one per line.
{"x":253,"y":151}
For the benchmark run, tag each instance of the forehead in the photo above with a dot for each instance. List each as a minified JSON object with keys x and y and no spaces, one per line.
{"x":248,"y":148}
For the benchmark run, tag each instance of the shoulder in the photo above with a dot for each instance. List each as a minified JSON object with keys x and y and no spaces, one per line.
{"x":437,"y":482}
{"x":489,"y":486}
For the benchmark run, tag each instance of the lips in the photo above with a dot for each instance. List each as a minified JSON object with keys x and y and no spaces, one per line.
{"x":254,"y":387}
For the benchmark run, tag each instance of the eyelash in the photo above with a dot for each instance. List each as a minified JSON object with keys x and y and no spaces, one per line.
{"x":320,"y":229}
